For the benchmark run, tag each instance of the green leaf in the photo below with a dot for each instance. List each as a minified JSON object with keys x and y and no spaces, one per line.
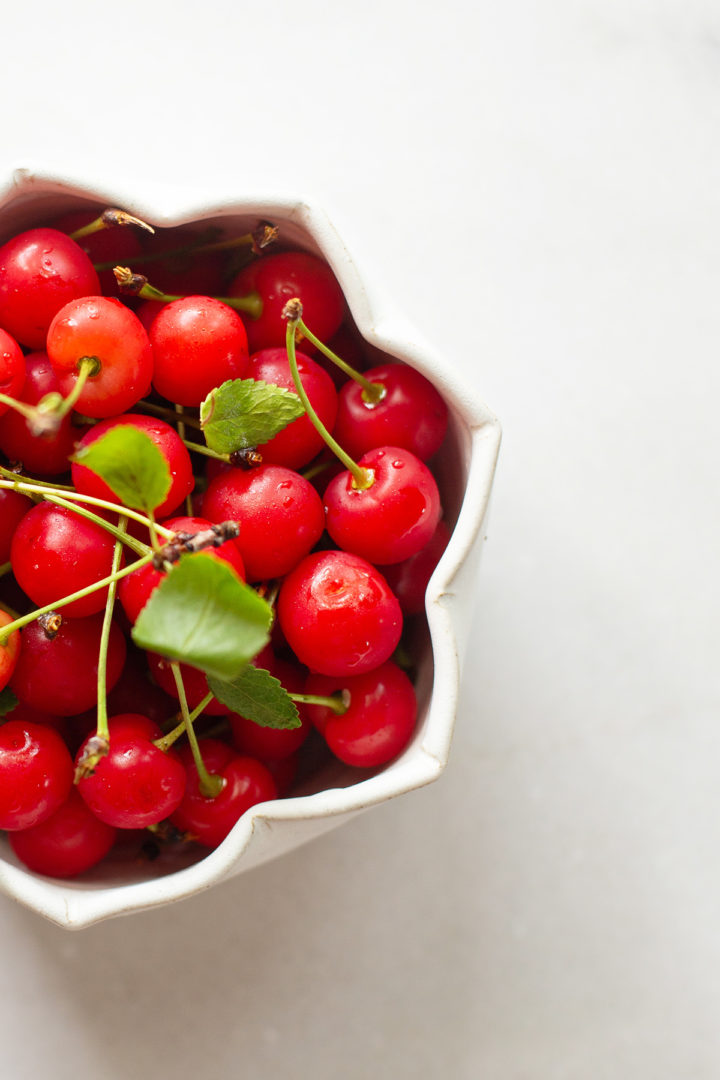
{"x":204,"y":615}
{"x":8,"y":701}
{"x":258,"y":696}
{"x":131,"y":464}
{"x":246,"y":412}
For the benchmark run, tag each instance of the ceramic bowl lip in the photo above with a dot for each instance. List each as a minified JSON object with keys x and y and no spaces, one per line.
{"x":73,"y":906}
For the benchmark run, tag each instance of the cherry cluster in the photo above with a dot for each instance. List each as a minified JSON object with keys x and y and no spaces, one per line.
{"x":215,"y":521}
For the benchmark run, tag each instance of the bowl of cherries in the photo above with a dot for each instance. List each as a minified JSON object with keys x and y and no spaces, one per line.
{"x":240,"y":513}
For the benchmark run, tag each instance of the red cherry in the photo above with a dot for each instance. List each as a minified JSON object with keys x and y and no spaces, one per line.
{"x":280,"y":514}
{"x":40,"y":271}
{"x":48,"y":455}
{"x":105,"y":330}
{"x":136,"y":784}
{"x":119,"y":244}
{"x":168,"y":442}
{"x":412,"y":414}
{"x":36,"y":773}
{"x":198,"y":343}
{"x":247,"y":782}
{"x":280,"y":277}
{"x":391,"y":520}
{"x":65,"y":844}
{"x":409,"y":579}
{"x":338,"y":614}
{"x":299,"y":442}
{"x":13,"y":507}
{"x":272,"y":744}
{"x":9,"y":650}
{"x":56,"y":552}
{"x":59,"y":674}
{"x":12,"y":368}
{"x":380,"y":718}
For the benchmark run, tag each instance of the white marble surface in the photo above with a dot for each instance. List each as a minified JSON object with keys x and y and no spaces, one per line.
{"x":537,"y":184}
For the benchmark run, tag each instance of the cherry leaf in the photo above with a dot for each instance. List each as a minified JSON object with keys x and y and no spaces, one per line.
{"x":258,"y":696}
{"x":8,"y":701}
{"x":246,"y":412}
{"x":202,"y":614}
{"x":131,"y":464}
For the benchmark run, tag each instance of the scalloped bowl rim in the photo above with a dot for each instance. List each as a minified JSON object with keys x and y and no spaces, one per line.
{"x":71,"y":905}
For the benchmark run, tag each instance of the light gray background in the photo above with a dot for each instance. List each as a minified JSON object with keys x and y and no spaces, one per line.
{"x":537,"y":186}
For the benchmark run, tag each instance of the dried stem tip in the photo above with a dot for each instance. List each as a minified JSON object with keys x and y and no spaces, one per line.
{"x":293,"y":310}
{"x":113,"y":216}
{"x":128,"y":282}
{"x":263,"y":235}
{"x":50,"y":624}
{"x":188,"y":543}
{"x":96,"y":748}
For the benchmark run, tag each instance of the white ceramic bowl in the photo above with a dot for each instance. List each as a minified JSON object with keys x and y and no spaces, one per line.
{"x":465,"y":476}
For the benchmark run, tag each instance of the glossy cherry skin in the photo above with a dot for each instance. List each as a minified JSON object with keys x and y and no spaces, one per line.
{"x":338,"y":614}
{"x":12,"y":368}
{"x":247,"y":782}
{"x":105,"y":329}
{"x":135,"y":590}
{"x":36,"y":773}
{"x":280,"y":515}
{"x":380,"y":718}
{"x":41,"y":270}
{"x":391,"y":520}
{"x":198,"y":343}
{"x":281,"y":277}
{"x":298,"y":443}
{"x":68,"y":663}
{"x":409,"y":579}
{"x":48,"y":455}
{"x":136,"y":784}
{"x":56,"y":552}
{"x":119,"y":244}
{"x":65,"y":844}
{"x":412,"y":414}
{"x":9,"y":650}
{"x":194,"y":681}
{"x":168,"y":442}
{"x":13,"y":507}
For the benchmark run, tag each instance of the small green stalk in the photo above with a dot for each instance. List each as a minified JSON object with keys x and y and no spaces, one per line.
{"x":339,"y":703}
{"x":28,"y":411}
{"x":107,"y":220}
{"x":76,"y":496}
{"x":102,"y":717}
{"x":362,"y":478}
{"x":135,"y":545}
{"x":373,"y":392}
{"x":210,"y":785}
{"x":138,"y":285}
{"x":5,"y":568}
{"x":23,"y":620}
{"x":87,"y":366}
{"x":199,"y":448}
{"x":174,"y":734}
{"x":21,"y":478}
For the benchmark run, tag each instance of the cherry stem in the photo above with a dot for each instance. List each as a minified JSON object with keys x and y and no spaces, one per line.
{"x":174,"y":734}
{"x":205,"y":247}
{"x":23,"y":620}
{"x":43,"y":489}
{"x":45,"y":417}
{"x":28,"y":411}
{"x":120,"y":534}
{"x":199,"y":448}
{"x":107,"y":220}
{"x":102,"y":717}
{"x":86,"y":366}
{"x":210,"y":785}
{"x":20,"y":478}
{"x":339,"y":703}
{"x":138,"y":285}
{"x":181,"y":427}
{"x":362,"y":478}
{"x":5,"y":568}
{"x":168,"y":414}
{"x":373,"y":392}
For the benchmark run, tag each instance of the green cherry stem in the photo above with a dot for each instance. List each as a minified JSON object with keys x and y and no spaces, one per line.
{"x":120,"y":534}
{"x":23,"y":620}
{"x":110,"y":217}
{"x":168,"y":414}
{"x":20,"y":478}
{"x":28,"y":411}
{"x":199,"y":448}
{"x":210,"y":785}
{"x":339,"y":703}
{"x":45,"y":417}
{"x":138,"y":285}
{"x":174,"y":734}
{"x":362,"y":478}
{"x":102,"y":717}
{"x":5,"y":568}
{"x":373,"y":392}
{"x":76,"y":496}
